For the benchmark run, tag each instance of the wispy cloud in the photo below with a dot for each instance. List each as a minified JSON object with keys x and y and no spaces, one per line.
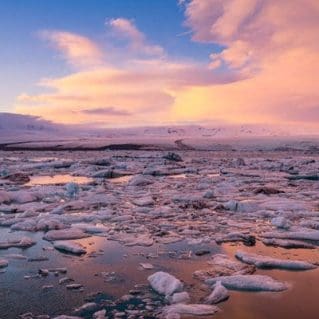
{"x":253,"y":30}
{"x":77,"y":50}
{"x":126,"y":29}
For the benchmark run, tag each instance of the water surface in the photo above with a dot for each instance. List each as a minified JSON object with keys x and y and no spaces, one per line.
{"x":57,"y":180}
{"x":105,"y":256}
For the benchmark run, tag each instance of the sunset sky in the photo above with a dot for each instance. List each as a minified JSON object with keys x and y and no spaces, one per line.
{"x":137,"y":62}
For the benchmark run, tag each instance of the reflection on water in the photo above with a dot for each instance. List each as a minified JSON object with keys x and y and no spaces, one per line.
{"x":104,"y":256}
{"x":300,"y":301}
{"x":57,"y":179}
{"x":276,"y":252}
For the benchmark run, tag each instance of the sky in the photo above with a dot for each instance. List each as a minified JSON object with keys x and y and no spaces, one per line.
{"x":122,"y":63}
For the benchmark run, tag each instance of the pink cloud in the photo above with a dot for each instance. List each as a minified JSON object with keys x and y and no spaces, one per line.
{"x":126,"y":29}
{"x":234,"y":15}
{"x":77,"y":50}
{"x":253,"y":30}
{"x":266,"y":73}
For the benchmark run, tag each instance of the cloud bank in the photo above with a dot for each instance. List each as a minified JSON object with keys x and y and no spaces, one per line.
{"x":267,"y":71}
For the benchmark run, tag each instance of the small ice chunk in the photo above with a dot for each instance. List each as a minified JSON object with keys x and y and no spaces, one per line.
{"x":60,"y":270}
{"x":222,"y":265}
{"x":105,"y":173}
{"x":90,"y":306}
{"x":26,"y":225}
{"x":310,"y":224}
{"x":100,"y":314}
{"x":140,"y":180}
{"x":74,"y":286}
{"x":91,"y":229}
{"x":144,"y":201}
{"x":3,"y":263}
{"x":24,"y":242}
{"x":147,"y":266}
{"x":175,"y":310}
{"x":171,"y":156}
{"x":247,"y":205}
{"x":219,"y":293}
{"x":164,"y":283}
{"x":287,"y":243}
{"x":209,"y":194}
{"x":72,"y":189}
{"x":69,"y":247}
{"x":295,"y":235}
{"x":133,"y":239}
{"x":65,"y":234}
{"x":268,"y":262}
{"x":47,"y":287}
{"x":281,"y":222}
{"x":65,"y":280}
{"x":49,"y":224}
{"x":248,"y":240}
{"x":231,"y":205}
{"x":179,"y":297}
{"x":22,"y":197}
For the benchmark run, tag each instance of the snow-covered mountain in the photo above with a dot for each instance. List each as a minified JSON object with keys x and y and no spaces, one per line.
{"x":18,"y":127}
{"x":10,"y":122}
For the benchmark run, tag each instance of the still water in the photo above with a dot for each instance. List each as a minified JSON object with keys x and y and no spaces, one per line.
{"x":19,"y":295}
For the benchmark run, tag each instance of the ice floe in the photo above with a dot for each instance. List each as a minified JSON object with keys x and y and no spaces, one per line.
{"x":268,"y":262}
{"x":69,"y":247}
{"x":65,"y":234}
{"x":249,"y":283}
{"x":222,"y":265}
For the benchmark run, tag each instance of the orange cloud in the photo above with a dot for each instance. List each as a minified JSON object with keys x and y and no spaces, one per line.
{"x":146,"y":89}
